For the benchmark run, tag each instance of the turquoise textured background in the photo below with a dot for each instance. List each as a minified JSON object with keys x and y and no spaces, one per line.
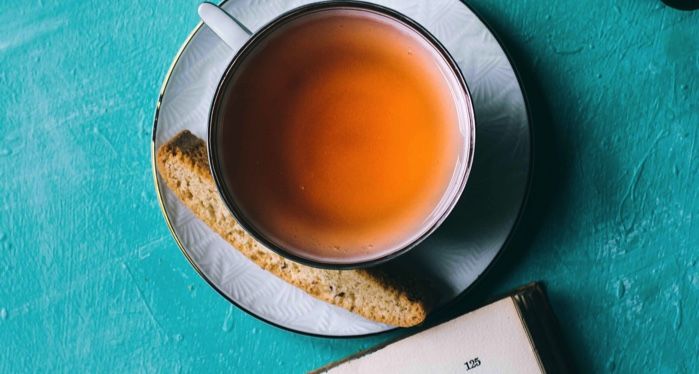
{"x":91,"y":280}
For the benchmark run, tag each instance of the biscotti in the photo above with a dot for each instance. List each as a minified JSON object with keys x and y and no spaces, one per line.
{"x":372,"y":293}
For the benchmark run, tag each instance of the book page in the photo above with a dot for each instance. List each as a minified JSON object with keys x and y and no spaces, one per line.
{"x":491,"y":339}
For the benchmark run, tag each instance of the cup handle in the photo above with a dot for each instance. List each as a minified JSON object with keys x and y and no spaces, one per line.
{"x":229,"y":29}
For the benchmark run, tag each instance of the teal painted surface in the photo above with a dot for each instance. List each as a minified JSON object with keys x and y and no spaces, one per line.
{"x":91,"y":280}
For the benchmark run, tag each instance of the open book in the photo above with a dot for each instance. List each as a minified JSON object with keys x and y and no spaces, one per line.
{"x":515,"y":334}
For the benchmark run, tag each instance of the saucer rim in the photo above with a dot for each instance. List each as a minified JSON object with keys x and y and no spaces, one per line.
{"x":479,"y":278}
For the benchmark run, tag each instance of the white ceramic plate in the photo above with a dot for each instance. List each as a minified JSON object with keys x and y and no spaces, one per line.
{"x":452,"y":258}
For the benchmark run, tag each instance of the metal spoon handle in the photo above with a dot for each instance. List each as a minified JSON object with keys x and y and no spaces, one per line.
{"x":229,"y":29}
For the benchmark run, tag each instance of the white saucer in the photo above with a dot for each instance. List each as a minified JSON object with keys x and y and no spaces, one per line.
{"x":453,"y":258}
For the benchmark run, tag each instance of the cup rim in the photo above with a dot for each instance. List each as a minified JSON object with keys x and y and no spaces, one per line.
{"x":255,"y":38}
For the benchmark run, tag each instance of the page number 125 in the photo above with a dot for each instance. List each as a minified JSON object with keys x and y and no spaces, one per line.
{"x":472,"y":364}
